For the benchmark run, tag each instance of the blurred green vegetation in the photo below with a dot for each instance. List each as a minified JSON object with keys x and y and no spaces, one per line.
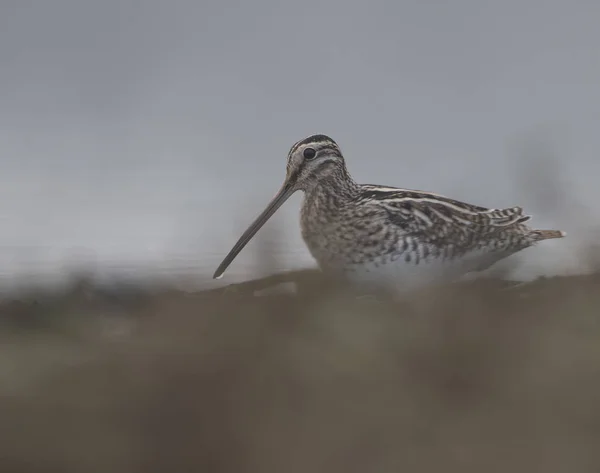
{"x":478,"y":376}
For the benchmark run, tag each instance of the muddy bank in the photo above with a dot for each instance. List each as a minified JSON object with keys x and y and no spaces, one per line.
{"x":294,"y":374}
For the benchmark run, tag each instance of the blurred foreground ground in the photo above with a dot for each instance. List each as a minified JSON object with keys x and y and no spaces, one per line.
{"x":474,"y":377}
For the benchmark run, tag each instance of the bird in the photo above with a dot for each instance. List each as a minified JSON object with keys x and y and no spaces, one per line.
{"x":396,"y":238}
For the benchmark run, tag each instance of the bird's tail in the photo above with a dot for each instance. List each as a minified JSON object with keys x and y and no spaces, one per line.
{"x":539,"y":235}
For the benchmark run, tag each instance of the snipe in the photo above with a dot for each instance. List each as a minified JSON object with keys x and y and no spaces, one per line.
{"x":399,"y":237}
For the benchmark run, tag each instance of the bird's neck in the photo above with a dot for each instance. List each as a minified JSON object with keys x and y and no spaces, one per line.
{"x":333,"y":190}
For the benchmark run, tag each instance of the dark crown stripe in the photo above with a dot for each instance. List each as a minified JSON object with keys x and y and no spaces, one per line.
{"x":324,"y":139}
{"x":316,"y":139}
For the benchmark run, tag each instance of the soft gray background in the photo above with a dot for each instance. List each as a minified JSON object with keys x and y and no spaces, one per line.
{"x":151,"y":132}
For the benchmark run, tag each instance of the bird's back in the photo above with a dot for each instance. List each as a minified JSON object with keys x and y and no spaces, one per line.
{"x":411,"y":237}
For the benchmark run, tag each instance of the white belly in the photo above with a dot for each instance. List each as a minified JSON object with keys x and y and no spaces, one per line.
{"x":401,"y":276}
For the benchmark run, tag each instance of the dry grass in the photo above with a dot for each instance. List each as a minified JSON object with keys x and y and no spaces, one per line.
{"x":471,"y":378}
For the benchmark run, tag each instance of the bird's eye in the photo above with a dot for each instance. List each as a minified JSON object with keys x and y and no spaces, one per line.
{"x":309,"y":153}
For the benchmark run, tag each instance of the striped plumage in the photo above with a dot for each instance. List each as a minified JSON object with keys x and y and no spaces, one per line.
{"x":398,"y":237}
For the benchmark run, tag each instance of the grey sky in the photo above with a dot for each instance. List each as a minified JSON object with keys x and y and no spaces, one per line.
{"x":150,"y":130}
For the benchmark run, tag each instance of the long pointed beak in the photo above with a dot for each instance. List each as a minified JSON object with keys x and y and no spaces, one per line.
{"x":284,"y":194}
